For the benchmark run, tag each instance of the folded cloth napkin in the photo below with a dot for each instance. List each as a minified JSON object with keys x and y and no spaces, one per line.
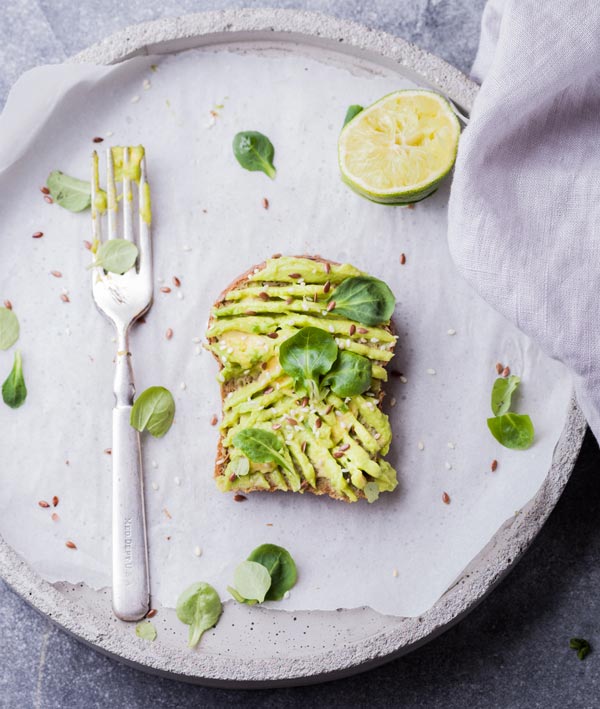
{"x":524,"y":217}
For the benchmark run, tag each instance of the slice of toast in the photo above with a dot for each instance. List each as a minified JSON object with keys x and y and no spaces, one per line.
{"x":335,"y":446}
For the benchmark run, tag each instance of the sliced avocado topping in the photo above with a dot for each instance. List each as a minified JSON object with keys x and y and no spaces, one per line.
{"x":328,"y":442}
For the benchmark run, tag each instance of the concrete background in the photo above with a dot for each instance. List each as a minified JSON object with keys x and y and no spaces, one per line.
{"x":512,"y":651}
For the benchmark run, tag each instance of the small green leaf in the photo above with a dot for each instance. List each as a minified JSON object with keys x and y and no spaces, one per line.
{"x":254,"y":152}
{"x":69,"y":192}
{"x":364,"y":299}
{"x":512,"y":430}
{"x":261,"y":446}
{"x":350,"y":375}
{"x":199,"y":606}
{"x":281,"y":567}
{"x":306,"y":356}
{"x":9,"y":328}
{"x":582,"y":647}
{"x":153,"y":411}
{"x":371,"y":491}
{"x":352,"y":111}
{"x":14,"y":391}
{"x":145,"y":630}
{"x":252,"y":581}
{"x":502,"y":391}
{"x":116,"y":256}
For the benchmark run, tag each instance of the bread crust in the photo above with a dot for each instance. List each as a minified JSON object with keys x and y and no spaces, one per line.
{"x":323,"y":485}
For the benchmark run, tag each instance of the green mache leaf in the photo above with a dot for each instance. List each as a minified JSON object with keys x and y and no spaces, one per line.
{"x":512,"y":430}
{"x":350,"y":375}
{"x":254,"y":152}
{"x":352,"y":111}
{"x":116,"y":256}
{"x":145,"y":630}
{"x":69,"y":192}
{"x":502,"y":391}
{"x":252,"y":581}
{"x":261,"y":446}
{"x":281,"y":567}
{"x":364,"y":299}
{"x":199,"y":606}
{"x":371,"y":491}
{"x":14,"y":391}
{"x":306,"y":356}
{"x":9,"y":328}
{"x":153,"y":411}
{"x":582,"y":647}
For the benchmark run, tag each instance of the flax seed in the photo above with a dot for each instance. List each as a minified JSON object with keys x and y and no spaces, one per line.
{"x":54,"y":501}
{"x":295,"y":275}
{"x":327,"y":287}
{"x":165,"y":289}
{"x":506,"y":372}
{"x":291,"y":421}
{"x":48,"y":199}
{"x":151,"y":613}
{"x":276,"y":256}
{"x":8,"y":304}
{"x":352,"y":329}
{"x":37,"y":235}
{"x":273,"y":335}
{"x":269,"y":390}
{"x":289,"y":300}
{"x":499,"y":367}
{"x":44,"y":190}
{"x":330,"y":306}
{"x":338,"y":454}
{"x":239,"y":498}
{"x":327,"y":268}
{"x":329,"y":409}
{"x":65,"y":298}
{"x":362,"y":330}
{"x":494,"y":465}
{"x":87,"y":244}
{"x":54,"y":517}
{"x":446,"y":498}
{"x":276,"y":426}
{"x":108,"y":451}
{"x":97,"y":139}
{"x":250,"y":312}
{"x":402,"y":259}
{"x":169,"y":333}
{"x":176,"y":282}
{"x":265,"y":203}
{"x":70,"y":544}
{"x":214,"y":420}
{"x":263,"y":296}
{"x":56,"y":274}
{"x":43,"y":503}
{"x":345,"y":447}
{"x":232,"y":477}
{"x":318,"y":423}
{"x":303,"y":446}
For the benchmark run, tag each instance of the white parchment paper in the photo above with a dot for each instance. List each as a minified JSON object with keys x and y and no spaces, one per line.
{"x":209,"y":227}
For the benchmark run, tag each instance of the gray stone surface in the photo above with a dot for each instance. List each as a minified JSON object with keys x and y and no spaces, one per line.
{"x":511,"y":652}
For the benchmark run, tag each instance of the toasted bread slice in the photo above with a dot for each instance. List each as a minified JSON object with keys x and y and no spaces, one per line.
{"x":334,"y":446}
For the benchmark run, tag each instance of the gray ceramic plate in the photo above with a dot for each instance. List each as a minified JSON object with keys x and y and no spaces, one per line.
{"x":275,"y":647}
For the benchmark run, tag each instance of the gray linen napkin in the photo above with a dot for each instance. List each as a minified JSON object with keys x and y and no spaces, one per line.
{"x":524,"y":219}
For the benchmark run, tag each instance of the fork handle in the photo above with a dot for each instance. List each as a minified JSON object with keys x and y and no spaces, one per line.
{"x":131,"y":588}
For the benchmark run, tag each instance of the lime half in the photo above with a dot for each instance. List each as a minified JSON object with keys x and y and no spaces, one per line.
{"x":399,"y":149}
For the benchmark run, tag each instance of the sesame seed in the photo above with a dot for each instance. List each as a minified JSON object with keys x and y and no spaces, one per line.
{"x":154,"y":464}
{"x":395,"y":573}
{"x":87,"y":244}
{"x":403,"y":379}
{"x":327,"y":287}
{"x":451,"y":445}
{"x":331,"y":328}
{"x":377,"y":436}
{"x":452,"y":331}
{"x":286,"y":595}
{"x":421,"y":445}
{"x":276,"y":426}
{"x":146,"y":84}
{"x":109,"y":133}
{"x":338,"y":454}
{"x":198,"y":350}
{"x":431,"y":371}
{"x":295,"y":275}
{"x":177,"y":480}
{"x":197,"y":551}
{"x":108,"y":451}
{"x":135,"y":99}
{"x":155,"y":486}
{"x":187,"y":247}
{"x":48,"y":199}
{"x":179,"y":295}
{"x":393,"y":401}
{"x":448,"y":466}
{"x":196,"y":340}
{"x":183,"y":386}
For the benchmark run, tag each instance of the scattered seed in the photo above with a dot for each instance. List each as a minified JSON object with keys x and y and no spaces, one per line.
{"x":402,"y":259}
{"x":263,"y":296}
{"x":327,"y":268}
{"x":446,"y":498}
{"x":232,"y":477}
{"x":295,"y":275}
{"x":506,"y":372}
{"x":421,"y":445}
{"x":197,"y":551}
{"x":54,"y":517}
{"x":108,"y":451}
{"x":109,"y":134}
{"x":329,"y":409}
{"x":177,"y":481}
{"x":65,"y":298}
{"x":56,"y":274}
{"x":330,"y":306}
{"x":499,"y":367}
{"x":303,"y":449}
{"x":494,"y":465}
{"x":403,"y":379}
{"x":289,"y":300}
{"x":452,"y":331}
{"x":183,"y":386}
{"x":362,"y":330}
{"x":338,"y":454}
{"x":70,"y":544}
{"x":345,"y":447}
{"x":196,"y":340}
{"x":393,"y":401}
{"x":239,"y":498}
{"x":269,"y":390}
{"x":250,"y":312}
{"x":151,"y":613}
{"x":291,"y":421}
{"x":154,"y":464}
{"x":48,"y":199}
{"x":265,"y":204}
{"x":167,"y":513}
{"x":431,"y":371}
{"x":97,"y":139}
{"x":176,"y":282}
{"x":276,"y":255}
{"x":327,"y":287}
{"x":87,"y":244}
{"x":54,"y":501}
{"x":395,"y":573}
{"x":8,"y":304}
{"x":377,"y":436}
{"x":155,"y":486}
{"x":135,"y":99}
{"x":318,"y":423}
{"x":44,"y":190}
{"x":451,"y":445}
{"x":37,"y":235}
{"x":352,"y":329}
{"x":214,"y":420}
{"x":448,"y":466}
{"x":169,"y":333}
{"x":276,"y":426}
{"x":165,"y":289}
{"x":179,"y":295}
{"x":43,"y":503}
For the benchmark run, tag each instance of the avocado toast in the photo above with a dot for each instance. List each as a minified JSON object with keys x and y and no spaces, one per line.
{"x":278,"y":433}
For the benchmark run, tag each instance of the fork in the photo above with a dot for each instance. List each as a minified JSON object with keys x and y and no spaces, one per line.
{"x":123,"y":299}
